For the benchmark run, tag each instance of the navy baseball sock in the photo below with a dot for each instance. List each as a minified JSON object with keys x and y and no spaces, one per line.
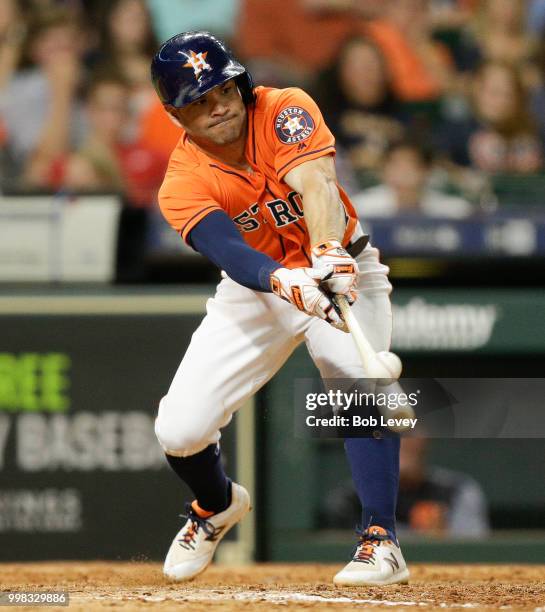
{"x":203,"y":473}
{"x":375,"y":471}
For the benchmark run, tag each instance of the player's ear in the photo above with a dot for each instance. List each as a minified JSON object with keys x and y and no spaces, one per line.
{"x":172,"y":113}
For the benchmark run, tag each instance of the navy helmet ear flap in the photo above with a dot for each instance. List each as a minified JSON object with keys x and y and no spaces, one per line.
{"x":190,"y":64}
{"x":245,"y":85}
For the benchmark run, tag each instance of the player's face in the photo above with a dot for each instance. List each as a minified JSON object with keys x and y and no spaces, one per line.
{"x":218,"y":117}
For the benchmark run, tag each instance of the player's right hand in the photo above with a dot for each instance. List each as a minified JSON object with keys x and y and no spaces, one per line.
{"x":301,"y":287}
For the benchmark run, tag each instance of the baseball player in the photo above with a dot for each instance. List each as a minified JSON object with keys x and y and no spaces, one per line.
{"x":251,"y":185}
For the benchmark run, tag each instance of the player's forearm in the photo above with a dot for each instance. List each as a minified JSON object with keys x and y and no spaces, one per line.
{"x":316,"y":181}
{"x":324,"y":213}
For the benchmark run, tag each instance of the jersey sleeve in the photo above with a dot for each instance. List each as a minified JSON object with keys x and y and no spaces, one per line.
{"x":184,"y":203}
{"x":299,"y":131}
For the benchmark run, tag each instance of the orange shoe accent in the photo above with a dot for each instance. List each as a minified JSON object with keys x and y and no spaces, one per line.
{"x":365,"y":553}
{"x":376,"y":530}
{"x":199,"y":511}
{"x":375,"y":535}
{"x":188,"y":536}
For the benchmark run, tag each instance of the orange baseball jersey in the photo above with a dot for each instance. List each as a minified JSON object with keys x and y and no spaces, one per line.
{"x":285,"y":129}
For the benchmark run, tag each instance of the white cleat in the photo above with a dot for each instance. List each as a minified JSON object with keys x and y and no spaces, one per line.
{"x":377,"y":560}
{"x":193,"y":547}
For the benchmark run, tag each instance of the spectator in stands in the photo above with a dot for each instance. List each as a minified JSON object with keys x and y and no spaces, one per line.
{"x":432,"y":500}
{"x":285,"y":44}
{"x":95,"y":166}
{"x":500,"y":30}
{"x":359,"y":107}
{"x":500,"y":136}
{"x":126,"y":38}
{"x":127,"y":44}
{"x":421,"y":68}
{"x":12,"y":36}
{"x":108,"y":159}
{"x":38,"y":104}
{"x":173,"y":16}
{"x":451,"y":24}
{"x":406,"y":189}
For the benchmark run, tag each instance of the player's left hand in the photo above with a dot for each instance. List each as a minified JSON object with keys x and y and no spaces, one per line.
{"x":301,"y":287}
{"x":343,"y":277}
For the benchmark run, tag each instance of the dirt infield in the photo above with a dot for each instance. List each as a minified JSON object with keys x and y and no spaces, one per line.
{"x":141,"y":586}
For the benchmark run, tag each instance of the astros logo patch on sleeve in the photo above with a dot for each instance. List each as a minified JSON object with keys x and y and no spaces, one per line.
{"x":293,"y":125}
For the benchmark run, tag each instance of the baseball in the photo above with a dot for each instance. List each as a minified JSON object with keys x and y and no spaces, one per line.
{"x":391,"y":362}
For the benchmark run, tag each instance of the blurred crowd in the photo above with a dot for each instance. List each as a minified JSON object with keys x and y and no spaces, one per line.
{"x":429,"y":100}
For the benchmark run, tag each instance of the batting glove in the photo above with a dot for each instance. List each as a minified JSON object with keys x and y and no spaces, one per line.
{"x":301,"y":287}
{"x":342,"y":269}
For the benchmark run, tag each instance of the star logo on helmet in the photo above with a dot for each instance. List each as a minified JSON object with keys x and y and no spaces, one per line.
{"x":198,"y":62}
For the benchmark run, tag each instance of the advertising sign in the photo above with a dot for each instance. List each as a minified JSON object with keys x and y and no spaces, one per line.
{"x":81,"y":472}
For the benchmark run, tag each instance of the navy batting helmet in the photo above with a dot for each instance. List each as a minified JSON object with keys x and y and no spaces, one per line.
{"x":190,"y":64}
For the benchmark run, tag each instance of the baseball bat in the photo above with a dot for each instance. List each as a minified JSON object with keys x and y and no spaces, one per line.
{"x":384,"y":365}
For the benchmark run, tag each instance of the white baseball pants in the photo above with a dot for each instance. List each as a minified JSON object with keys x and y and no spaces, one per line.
{"x":245,"y":338}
